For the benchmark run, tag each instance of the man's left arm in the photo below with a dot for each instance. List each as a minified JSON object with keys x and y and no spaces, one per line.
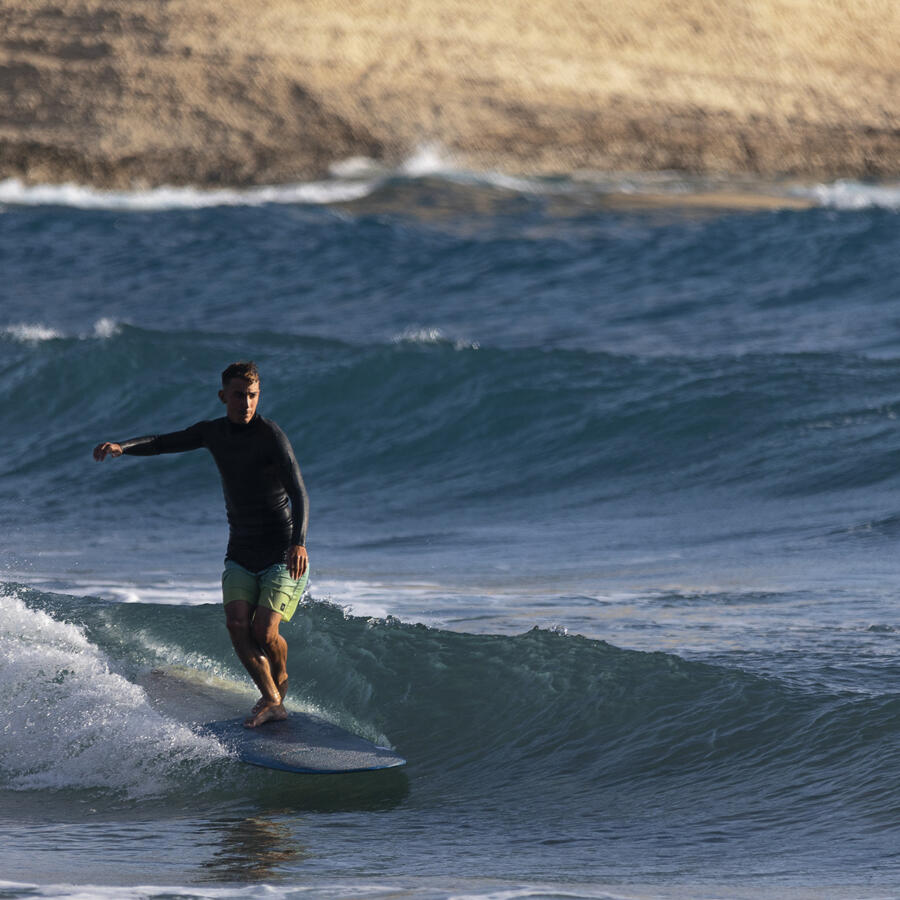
{"x":291,"y":478}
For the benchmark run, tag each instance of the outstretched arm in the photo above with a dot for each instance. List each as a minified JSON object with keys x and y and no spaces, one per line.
{"x":153,"y":444}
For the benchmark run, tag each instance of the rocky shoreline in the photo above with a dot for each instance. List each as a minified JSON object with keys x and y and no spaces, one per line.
{"x":139,"y":93}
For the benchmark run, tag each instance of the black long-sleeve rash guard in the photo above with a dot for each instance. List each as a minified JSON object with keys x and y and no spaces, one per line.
{"x":265,"y":498}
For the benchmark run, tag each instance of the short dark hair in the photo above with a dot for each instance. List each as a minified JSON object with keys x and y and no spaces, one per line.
{"x":245,"y":370}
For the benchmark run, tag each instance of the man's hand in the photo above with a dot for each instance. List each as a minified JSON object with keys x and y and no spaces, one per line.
{"x":107,"y":447}
{"x":297,"y":561}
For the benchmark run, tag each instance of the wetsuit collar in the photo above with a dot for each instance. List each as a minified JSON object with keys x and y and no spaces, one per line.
{"x":239,"y":427}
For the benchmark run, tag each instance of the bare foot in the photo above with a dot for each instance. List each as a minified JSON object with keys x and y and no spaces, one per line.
{"x":265,"y":711}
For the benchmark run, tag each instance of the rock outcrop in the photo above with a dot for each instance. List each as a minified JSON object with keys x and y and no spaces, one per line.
{"x":118,"y":93}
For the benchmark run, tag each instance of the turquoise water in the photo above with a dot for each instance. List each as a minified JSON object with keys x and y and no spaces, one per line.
{"x":604,"y":505}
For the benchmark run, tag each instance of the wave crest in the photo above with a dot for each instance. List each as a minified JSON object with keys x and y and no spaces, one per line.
{"x":37,"y":332}
{"x":359,"y":177}
{"x":67,"y":702}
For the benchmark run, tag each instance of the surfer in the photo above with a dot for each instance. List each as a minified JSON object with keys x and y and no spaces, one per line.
{"x":266,"y":565}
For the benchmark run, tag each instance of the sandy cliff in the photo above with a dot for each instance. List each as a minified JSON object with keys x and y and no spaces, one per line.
{"x":125,"y":92}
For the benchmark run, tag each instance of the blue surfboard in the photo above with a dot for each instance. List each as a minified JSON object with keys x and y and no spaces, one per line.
{"x":302,"y":743}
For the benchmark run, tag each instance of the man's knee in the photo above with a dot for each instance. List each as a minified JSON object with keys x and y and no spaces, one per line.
{"x":265,"y":629}
{"x":237,"y":619}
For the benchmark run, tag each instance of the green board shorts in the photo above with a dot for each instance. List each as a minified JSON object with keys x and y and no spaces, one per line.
{"x":272,"y":588}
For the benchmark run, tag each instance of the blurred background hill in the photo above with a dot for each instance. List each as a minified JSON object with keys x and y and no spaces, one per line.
{"x":120,"y":93}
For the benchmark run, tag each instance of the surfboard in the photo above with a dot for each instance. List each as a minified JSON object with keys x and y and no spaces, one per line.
{"x":303,"y":743}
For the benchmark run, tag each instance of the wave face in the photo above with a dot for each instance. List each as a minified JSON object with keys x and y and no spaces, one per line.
{"x":506,"y":422}
{"x":603,"y":520}
{"x":610,"y":457}
{"x":574,"y":731}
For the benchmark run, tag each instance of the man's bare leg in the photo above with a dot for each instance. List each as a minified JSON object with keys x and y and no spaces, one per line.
{"x":255,"y":660}
{"x":282,"y":689}
{"x":265,"y":635}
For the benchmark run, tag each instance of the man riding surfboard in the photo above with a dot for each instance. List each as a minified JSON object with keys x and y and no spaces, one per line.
{"x":266,"y":564}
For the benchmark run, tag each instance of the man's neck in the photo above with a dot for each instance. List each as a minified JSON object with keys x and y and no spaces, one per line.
{"x":242,"y":426}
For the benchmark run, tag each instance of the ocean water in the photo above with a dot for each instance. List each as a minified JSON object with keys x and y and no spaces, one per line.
{"x":605,"y":505}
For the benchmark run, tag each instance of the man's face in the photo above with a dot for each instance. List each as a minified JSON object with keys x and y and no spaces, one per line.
{"x":240,"y":398}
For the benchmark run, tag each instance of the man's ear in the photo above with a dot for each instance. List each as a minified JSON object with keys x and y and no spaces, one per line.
{"x":222,"y":396}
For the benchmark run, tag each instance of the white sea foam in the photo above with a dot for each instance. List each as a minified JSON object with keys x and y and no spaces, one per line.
{"x":372,"y":889}
{"x":106,"y":328}
{"x":434,"y":160}
{"x":849,"y":195}
{"x":13,"y":191}
{"x":162,"y":590}
{"x":155,"y":892}
{"x":64,"y":701}
{"x":36,"y":332}
{"x":182,"y":594}
{"x":28,"y":333}
{"x":358,"y":177}
{"x":420,"y":336}
{"x":429,"y":159}
{"x":425,"y":335}
{"x":351,"y":179}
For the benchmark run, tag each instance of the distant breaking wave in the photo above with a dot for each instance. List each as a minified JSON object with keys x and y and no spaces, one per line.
{"x":36,"y":332}
{"x":857,"y":195}
{"x":158,"y":199}
{"x":357,"y":178}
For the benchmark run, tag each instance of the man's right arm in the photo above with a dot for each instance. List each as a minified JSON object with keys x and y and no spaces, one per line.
{"x":153,"y":444}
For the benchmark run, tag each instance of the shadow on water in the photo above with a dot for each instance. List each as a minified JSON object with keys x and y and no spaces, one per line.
{"x":250,"y":849}
{"x":261,"y":793}
{"x":355,"y":792}
{"x":243,"y":827}
{"x":258,"y":846}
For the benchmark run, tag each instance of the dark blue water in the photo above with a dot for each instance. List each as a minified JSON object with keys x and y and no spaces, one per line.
{"x":604,"y":512}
